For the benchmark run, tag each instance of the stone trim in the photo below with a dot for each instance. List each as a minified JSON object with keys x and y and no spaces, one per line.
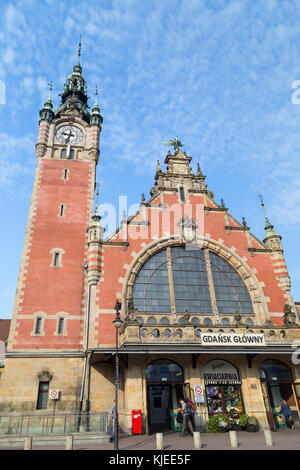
{"x":36,"y":316}
{"x":59,"y":316}
{"x":59,"y":252}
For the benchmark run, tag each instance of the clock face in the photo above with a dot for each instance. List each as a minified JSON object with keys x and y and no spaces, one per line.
{"x":69,"y":135}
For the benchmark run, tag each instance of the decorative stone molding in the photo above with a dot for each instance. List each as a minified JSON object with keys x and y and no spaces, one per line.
{"x":44,"y":376}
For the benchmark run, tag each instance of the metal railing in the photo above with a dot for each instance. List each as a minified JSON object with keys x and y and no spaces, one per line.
{"x":46,"y":424}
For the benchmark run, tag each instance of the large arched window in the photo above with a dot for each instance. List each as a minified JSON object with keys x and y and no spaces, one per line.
{"x":188,"y":279}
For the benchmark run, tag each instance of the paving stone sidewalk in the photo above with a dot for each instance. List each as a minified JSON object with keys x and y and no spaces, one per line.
{"x":282,"y":440}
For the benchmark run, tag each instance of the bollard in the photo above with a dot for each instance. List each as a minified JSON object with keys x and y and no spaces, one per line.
{"x":28,"y":443}
{"x":268,"y":437}
{"x":159,"y":441}
{"x":197,"y":440}
{"x":69,"y":442}
{"x":233,"y":438}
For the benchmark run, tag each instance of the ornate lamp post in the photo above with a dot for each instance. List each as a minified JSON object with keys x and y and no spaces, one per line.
{"x":117,"y":324}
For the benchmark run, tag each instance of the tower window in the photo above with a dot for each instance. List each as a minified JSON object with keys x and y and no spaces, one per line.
{"x":38,"y":326}
{"x":72,"y":154}
{"x":56,"y":259}
{"x":60,"y":328}
{"x":63,"y":153}
{"x":61,"y":210}
{"x":65,"y":175}
{"x":42,"y":400}
{"x":181,"y":191}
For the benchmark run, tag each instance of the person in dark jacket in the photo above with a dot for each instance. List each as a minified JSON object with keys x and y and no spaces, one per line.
{"x":187,"y":424}
{"x":286,"y":412}
{"x":113,"y":415}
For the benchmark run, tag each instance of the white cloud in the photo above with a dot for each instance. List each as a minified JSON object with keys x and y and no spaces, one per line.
{"x":15,"y":157}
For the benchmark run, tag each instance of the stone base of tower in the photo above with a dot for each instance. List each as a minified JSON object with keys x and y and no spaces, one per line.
{"x":21,"y":377}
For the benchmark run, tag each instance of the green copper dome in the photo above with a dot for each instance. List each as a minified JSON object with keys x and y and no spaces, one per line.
{"x":75,"y":94}
{"x":46,"y":112}
{"x":270,"y":232}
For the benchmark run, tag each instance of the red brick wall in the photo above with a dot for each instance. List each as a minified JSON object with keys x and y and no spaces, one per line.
{"x":55,"y":289}
{"x":114,"y":258}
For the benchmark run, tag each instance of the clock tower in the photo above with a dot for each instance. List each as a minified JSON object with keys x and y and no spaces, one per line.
{"x":51,"y":292}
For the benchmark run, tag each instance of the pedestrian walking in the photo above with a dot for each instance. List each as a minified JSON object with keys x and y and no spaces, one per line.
{"x":188,"y":412}
{"x":287,"y":413}
{"x":113,"y":415}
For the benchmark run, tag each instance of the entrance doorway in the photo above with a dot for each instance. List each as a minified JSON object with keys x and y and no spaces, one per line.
{"x":163,"y":403}
{"x":165,"y":388}
{"x":277,"y":385}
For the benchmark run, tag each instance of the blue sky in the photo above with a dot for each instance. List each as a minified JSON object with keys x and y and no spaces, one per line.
{"x":217,"y":73}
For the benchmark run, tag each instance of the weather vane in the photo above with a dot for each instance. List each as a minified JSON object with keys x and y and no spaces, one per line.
{"x":79,"y":49}
{"x":175,"y":143}
{"x":262,"y":203}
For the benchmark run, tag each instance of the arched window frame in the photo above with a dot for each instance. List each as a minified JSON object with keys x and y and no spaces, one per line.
{"x":247,"y":273}
{"x":214,"y":311}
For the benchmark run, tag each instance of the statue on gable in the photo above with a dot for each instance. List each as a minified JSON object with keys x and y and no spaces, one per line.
{"x":175,"y":143}
{"x":289,"y":317}
{"x":131,"y":311}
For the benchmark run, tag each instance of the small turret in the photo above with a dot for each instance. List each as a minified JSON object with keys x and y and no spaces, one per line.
{"x":272,"y":240}
{"x":46,"y":113}
{"x":95,"y":232}
{"x":46,"y":116}
{"x":96,"y":118}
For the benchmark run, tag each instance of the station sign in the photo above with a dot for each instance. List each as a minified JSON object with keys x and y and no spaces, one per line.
{"x":233,"y":339}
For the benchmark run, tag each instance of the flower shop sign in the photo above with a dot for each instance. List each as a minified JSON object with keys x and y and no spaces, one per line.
{"x":218,"y":371}
{"x":233,"y":339}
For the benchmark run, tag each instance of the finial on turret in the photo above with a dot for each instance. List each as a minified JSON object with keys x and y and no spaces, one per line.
{"x":50,"y":84}
{"x":79,"y":50}
{"x":270,"y":232}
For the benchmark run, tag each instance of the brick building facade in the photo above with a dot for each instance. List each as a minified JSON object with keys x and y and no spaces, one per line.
{"x":203,"y":301}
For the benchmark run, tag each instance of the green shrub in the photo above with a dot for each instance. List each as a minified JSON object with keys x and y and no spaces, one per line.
{"x":216,"y":421}
{"x":243,"y":420}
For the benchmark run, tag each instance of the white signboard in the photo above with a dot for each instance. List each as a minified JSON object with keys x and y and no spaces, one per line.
{"x":199,"y":394}
{"x":233,"y":339}
{"x":54,"y":393}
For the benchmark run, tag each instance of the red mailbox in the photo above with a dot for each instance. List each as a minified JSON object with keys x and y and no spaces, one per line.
{"x":136,"y":416}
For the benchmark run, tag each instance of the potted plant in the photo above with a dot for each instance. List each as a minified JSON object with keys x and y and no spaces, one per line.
{"x":234,"y":421}
{"x":243,"y":420}
{"x":224,"y":423}
{"x":212,"y":424}
{"x":252,"y":424}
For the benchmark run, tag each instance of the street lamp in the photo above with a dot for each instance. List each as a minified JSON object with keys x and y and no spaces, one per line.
{"x":117,"y":324}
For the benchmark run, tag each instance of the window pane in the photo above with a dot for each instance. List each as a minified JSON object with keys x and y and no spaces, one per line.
{"x":231,"y":293}
{"x":42,"y":395}
{"x":190,"y":279}
{"x":151,"y":289}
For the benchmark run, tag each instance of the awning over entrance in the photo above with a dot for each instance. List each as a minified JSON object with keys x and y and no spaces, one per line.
{"x":190,"y":349}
